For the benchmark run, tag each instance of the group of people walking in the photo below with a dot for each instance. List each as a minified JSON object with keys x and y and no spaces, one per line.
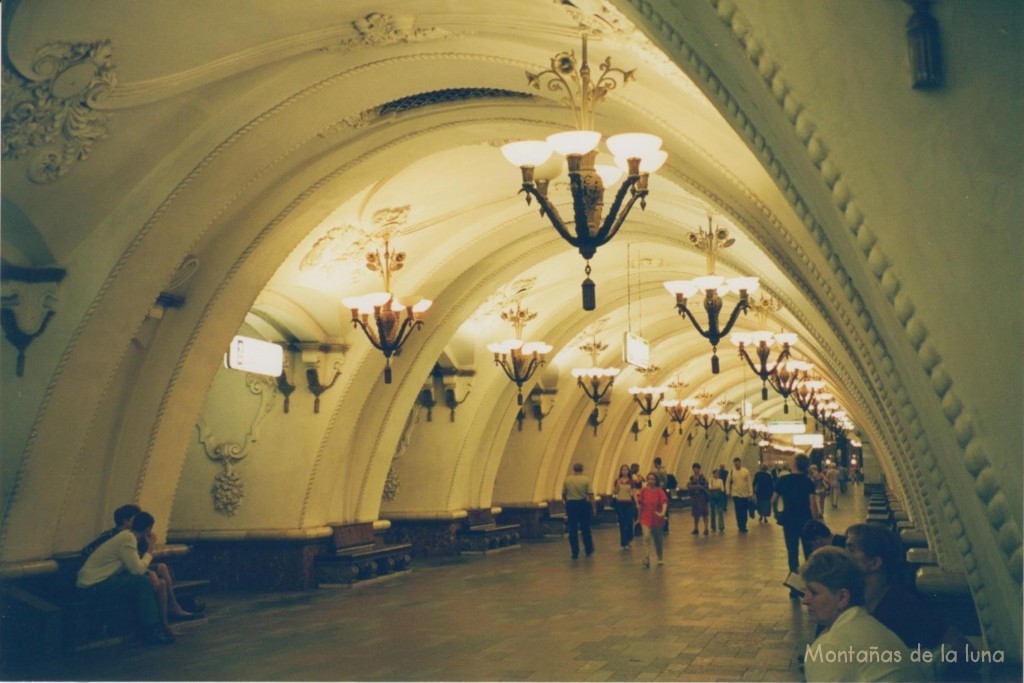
{"x":641,"y":503}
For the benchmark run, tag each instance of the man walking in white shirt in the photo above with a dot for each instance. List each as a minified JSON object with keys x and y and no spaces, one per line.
{"x":114,"y":572}
{"x":741,"y":487}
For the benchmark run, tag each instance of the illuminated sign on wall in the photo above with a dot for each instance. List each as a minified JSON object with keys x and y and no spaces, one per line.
{"x":636,"y":350}
{"x":813,"y":440}
{"x":794,"y":427}
{"x":254,"y":355}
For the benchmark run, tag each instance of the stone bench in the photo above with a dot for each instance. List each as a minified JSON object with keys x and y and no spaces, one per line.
{"x":483,"y":538}
{"x":554,"y":524}
{"x":88,"y":624}
{"x":362,"y":562}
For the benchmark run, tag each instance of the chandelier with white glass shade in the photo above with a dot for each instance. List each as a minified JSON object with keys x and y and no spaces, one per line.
{"x":762,"y":342}
{"x":714,"y":288}
{"x":519,"y":359}
{"x":594,"y":380}
{"x":389,"y":329}
{"x":636,"y":154}
{"x":787,"y":376}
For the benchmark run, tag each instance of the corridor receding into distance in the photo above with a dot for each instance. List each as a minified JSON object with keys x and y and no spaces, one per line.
{"x":341,"y":292}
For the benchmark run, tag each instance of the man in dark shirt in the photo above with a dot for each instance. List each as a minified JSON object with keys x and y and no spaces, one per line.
{"x":799,"y":504}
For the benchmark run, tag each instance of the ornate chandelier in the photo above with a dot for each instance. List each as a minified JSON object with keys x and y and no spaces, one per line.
{"x":648,"y":398}
{"x":806,"y":391}
{"x":595,"y":381}
{"x":678,"y":408}
{"x":787,"y":375}
{"x":390,"y":330}
{"x":714,"y":288}
{"x":762,"y":343}
{"x":638,"y":154}
{"x":517,"y":358}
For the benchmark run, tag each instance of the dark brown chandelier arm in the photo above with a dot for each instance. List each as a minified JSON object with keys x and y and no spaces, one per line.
{"x":614,"y":220}
{"x":548,"y":209}
{"x":741,"y":307}
{"x":685,"y":310}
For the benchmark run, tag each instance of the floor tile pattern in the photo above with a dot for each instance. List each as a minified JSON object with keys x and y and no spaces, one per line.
{"x":715,"y":611}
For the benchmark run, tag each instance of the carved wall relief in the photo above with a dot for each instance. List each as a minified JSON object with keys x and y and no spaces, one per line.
{"x":50,"y":114}
{"x":378,"y":29}
{"x":228,"y":488}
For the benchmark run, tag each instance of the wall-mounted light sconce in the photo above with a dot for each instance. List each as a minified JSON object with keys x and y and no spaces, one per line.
{"x":317,"y":388}
{"x":426,"y":399}
{"x":924,"y":47}
{"x":285,"y":388}
{"x":595,"y":420}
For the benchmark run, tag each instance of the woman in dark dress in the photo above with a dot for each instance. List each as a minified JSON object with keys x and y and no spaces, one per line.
{"x":698,"y":487}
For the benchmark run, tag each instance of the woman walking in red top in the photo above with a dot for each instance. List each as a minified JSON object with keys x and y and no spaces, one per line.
{"x":652,"y":504}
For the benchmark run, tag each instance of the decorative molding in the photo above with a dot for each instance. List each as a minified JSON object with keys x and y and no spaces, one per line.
{"x":346,"y":246}
{"x":228,"y":488}
{"x":378,"y":29}
{"x":50,"y":115}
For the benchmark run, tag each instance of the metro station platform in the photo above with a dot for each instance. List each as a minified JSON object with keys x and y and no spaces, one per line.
{"x":716,"y":610}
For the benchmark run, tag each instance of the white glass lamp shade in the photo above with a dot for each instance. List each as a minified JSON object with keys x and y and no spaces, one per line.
{"x":540,"y":348}
{"x":796,"y":365}
{"x":649,"y":164}
{"x":748,"y":283}
{"x":706,"y":282}
{"x":574,"y":141}
{"x":422,"y":306}
{"x":757,"y":337}
{"x":609,"y":174}
{"x":744,"y":338}
{"x":527,"y":152}
{"x":353,"y":302}
{"x":685,"y":287}
{"x":594,"y":373}
{"x":788,"y":338}
{"x":705,"y":412}
{"x":633,"y":145}
{"x":725,"y":417}
{"x":650,"y":391}
{"x":366,"y":303}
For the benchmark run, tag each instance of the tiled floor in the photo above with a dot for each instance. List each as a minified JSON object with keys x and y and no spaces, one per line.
{"x":715,"y":611}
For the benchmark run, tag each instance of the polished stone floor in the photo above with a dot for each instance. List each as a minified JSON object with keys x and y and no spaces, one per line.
{"x":716,"y":610}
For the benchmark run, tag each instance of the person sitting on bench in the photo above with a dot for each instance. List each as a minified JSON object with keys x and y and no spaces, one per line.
{"x":114,"y":573}
{"x":159,"y":573}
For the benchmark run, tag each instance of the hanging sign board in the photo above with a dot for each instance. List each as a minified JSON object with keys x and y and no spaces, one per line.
{"x":254,"y":355}
{"x":636,"y":350}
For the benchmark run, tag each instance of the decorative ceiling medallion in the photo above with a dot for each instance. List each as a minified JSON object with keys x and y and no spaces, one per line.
{"x":377,"y":28}
{"x":346,"y":246}
{"x":51,"y":116}
{"x":503,"y":299}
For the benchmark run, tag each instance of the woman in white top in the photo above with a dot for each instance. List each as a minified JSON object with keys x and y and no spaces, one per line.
{"x":625,"y":506}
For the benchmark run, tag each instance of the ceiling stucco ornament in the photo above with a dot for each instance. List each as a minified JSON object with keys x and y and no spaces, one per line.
{"x":502,"y":299}
{"x":378,"y":28}
{"x":228,"y":488}
{"x":346,"y":246}
{"x":50,"y":116}
{"x":184,"y":273}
